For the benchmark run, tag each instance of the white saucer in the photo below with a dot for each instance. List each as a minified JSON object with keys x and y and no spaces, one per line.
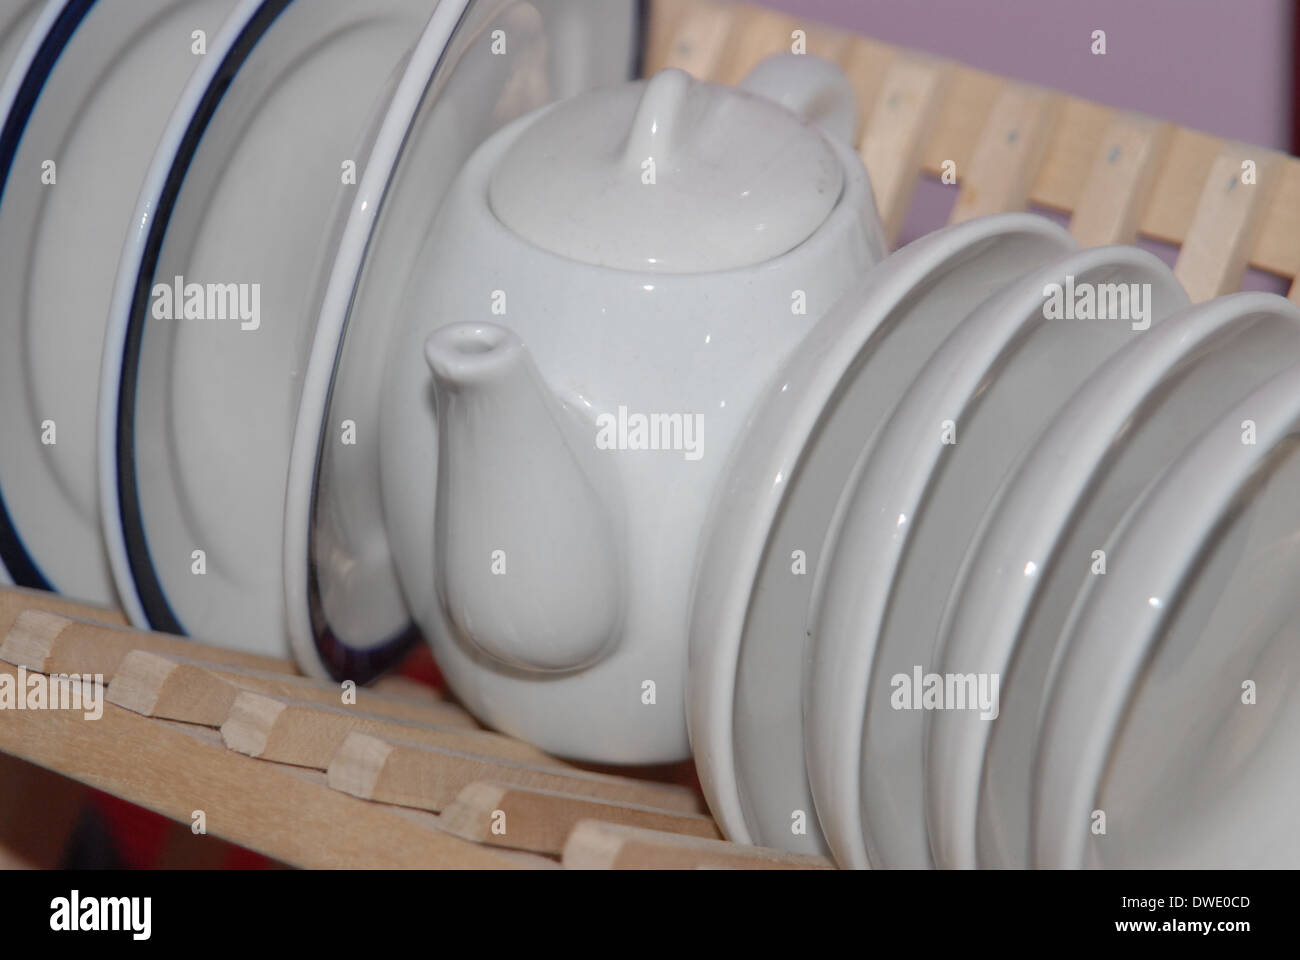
{"x":1035,"y":549}
{"x":912,"y":508}
{"x":196,"y":415}
{"x":89,"y":91}
{"x":346,"y":612}
{"x":1173,"y":707}
{"x":747,"y":636}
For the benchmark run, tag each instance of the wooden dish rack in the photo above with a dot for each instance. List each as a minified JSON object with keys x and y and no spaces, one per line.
{"x":401,"y":777}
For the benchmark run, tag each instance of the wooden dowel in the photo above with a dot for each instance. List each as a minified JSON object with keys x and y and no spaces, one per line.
{"x":1118,"y":187}
{"x":308,"y":735}
{"x":14,"y":600}
{"x":194,"y":691}
{"x":1009,"y":153}
{"x":900,"y":124}
{"x":540,"y":820}
{"x":664,"y":18}
{"x":429,"y":778}
{"x":703,"y":33}
{"x":596,"y":845}
{"x":759,"y":33}
{"x":286,"y":813}
{"x":1228,"y":218}
{"x":51,"y":643}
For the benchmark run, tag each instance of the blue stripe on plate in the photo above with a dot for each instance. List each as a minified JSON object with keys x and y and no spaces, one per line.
{"x":13,"y":554}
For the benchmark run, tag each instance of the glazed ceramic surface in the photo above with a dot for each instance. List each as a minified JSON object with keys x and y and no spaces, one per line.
{"x":611,"y":348}
{"x":1038,"y":543}
{"x":16,"y":20}
{"x":214,"y":308}
{"x":1172,"y":707}
{"x":84,"y":103}
{"x":912,"y":507}
{"x":346,"y":614}
{"x":764,"y":540}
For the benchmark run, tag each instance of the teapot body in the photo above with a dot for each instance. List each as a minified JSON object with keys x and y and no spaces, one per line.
{"x":657,"y":372}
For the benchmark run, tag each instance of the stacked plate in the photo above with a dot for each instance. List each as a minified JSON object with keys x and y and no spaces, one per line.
{"x":1000,"y":573}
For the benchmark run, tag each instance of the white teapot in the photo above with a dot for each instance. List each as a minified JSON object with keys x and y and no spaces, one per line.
{"x":607,"y":289}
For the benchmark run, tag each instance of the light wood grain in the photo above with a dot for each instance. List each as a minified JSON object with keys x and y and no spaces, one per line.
{"x":703,"y":34}
{"x":52,"y":643}
{"x":866,"y":63}
{"x":901,"y":122}
{"x":14,"y":600}
{"x":196,"y":691}
{"x":665,"y":15}
{"x":308,"y":735}
{"x":429,"y":778}
{"x":597,"y":845}
{"x":1009,"y":153}
{"x":540,"y":820}
{"x":282,"y":812}
{"x":1226,"y":223}
{"x":1124,"y":169}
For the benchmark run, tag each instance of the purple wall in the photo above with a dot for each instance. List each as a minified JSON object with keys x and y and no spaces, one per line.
{"x":1218,"y":65}
{"x":1223,"y":66}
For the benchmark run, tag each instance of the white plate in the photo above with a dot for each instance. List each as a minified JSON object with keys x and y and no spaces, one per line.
{"x":90,"y":92}
{"x":16,"y":21}
{"x":346,"y":613}
{"x":196,"y":415}
{"x":920,"y":489}
{"x":747,"y":635}
{"x":1036,"y":544}
{"x":1174,"y":702}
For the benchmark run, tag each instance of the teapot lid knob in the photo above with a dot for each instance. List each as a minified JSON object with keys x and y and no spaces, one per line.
{"x":669,"y":175}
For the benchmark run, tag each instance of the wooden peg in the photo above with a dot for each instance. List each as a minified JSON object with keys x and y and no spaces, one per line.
{"x":194,"y":691}
{"x":1009,"y":153}
{"x":665,"y":15}
{"x":52,"y":643}
{"x":1227,"y":219}
{"x":523,"y":818}
{"x":595,"y":845}
{"x":1118,"y":186}
{"x":308,"y":735}
{"x":699,"y":45}
{"x":758,"y":33}
{"x":14,"y":600}
{"x":900,"y":124}
{"x":429,"y":778}
{"x":866,"y":63}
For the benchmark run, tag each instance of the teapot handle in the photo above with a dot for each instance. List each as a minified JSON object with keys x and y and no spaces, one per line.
{"x":810,"y":86}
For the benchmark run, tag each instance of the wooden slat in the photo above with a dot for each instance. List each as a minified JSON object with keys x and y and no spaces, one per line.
{"x":758,"y":34}
{"x":594,"y":844}
{"x":540,"y":820}
{"x":700,"y":43}
{"x":284,"y":813}
{"x":866,"y":63}
{"x":1010,"y":151}
{"x":665,"y":15}
{"x":962,"y":118}
{"x":194,"y":691}
{"x":14,"y":600}
{"x":1227,"y":221}
{"x":901,"y":121}
{"x":52,"y":643}
{"x":308,"y":735}
{"x":1123,"y":170}
{"x":429,"y":778}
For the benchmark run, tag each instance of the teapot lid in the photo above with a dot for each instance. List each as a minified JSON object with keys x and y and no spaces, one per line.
{"x":668,"y":175}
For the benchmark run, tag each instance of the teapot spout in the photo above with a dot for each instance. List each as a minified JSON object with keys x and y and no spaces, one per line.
{"x":528,"y":560}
